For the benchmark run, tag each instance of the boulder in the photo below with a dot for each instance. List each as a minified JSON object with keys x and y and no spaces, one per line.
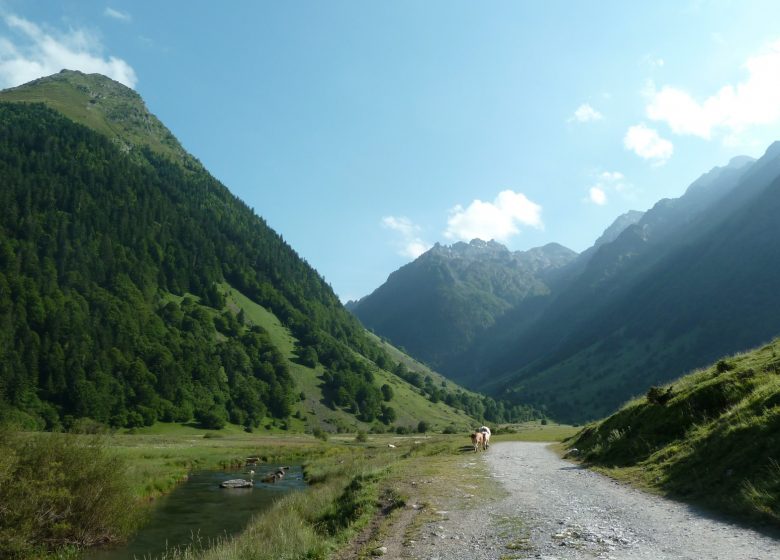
{"x":236,"y":483}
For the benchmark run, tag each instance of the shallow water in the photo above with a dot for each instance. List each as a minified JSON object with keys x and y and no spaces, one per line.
{"x":200,"y":510}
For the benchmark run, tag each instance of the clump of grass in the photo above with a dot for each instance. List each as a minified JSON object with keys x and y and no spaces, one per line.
{"x":60,"y":492}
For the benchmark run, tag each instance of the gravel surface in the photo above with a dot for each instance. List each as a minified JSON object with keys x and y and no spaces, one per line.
{"x":557,"y":510}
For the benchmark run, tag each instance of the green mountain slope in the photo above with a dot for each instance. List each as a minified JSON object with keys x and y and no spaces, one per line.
{"x":711,"y":436}
{"x":118,"y":257}
{"x":437,"y":305}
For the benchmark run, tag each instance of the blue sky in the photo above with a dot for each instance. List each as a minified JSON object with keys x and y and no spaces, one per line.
{"x":364,"y":132}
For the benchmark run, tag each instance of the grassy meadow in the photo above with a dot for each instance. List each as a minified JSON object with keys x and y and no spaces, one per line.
{"x":359,"y":484}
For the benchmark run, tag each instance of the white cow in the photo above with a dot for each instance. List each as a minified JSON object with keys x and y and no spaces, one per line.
{"x":485,"y":430}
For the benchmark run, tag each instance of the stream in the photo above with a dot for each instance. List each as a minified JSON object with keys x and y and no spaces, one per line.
{"x":200,"y":511}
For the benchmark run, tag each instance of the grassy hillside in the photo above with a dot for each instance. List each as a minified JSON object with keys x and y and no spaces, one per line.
{"x":410,"y":405}
{"x":106,"y":107}
{"x":712,"y":436}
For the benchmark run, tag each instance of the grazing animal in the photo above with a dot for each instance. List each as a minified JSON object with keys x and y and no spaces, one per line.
{"x":478,"y":440}
{"x":486,"y":431}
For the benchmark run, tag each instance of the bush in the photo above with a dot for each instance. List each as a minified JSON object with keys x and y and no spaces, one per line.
{"x":387,"y":392}
{"x":656,"y":395}
{"x":89,"y":426}
{"x":66,"y":491}
{"x":361,"y":437}
{"x":423,"y":427}
{"x":723,"y":366}
{"x":319,"y":433}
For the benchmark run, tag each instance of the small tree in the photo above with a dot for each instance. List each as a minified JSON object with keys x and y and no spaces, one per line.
{"x":210,"y":419}
{"x":423,"y":427}
{"x":387,"y":392}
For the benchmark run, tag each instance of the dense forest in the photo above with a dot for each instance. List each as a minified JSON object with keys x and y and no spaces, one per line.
{"x":110,"y":302}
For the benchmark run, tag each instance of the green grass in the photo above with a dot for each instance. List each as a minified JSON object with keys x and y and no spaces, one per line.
{"x":348,"y":480}
{"x":534,"y":431}
{"x":716,"y":441}
{"x":108,"y":108}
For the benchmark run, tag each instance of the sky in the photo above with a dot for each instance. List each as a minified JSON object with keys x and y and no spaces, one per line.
{"x":365,"y":132}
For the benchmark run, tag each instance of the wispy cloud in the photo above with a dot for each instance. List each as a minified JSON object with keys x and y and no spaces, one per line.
{"x":586,"y":113}
{"x":606,"y":184}
{"x":654,"y":62}
{"x":497,"y":220}
{"x":116,"y":14}
{"x":411,"y":244}
{"x":732,"y":109}
{"x":648,"y":144}
{"x":37,"y":52}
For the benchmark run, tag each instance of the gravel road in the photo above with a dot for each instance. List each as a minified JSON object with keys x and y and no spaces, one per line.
{"x":557,"y":510}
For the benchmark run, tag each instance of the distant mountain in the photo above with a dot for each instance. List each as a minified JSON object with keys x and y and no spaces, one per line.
{"x":435,"y":306}
{"x":658,"y":294}
{"x":693,"y":279}
{"x":134,"y":287}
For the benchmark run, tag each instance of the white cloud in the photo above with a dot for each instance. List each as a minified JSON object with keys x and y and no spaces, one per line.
{"x":597,"y":196}
{"x":586,"y":113}
{"x":498,"y":220}
{"x":732,"y":109}
{"x":116,"y":14}
{"x":41,"y":53}
{"x":611,"y":176}
{"x":647,"y":144}
{"x":608,"y":182}
{"x":411,"y":245}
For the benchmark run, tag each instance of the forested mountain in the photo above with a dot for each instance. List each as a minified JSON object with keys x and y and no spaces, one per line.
{"x":121,"y":262}
{"x":435,"y":306}
{"x":661,"y":293}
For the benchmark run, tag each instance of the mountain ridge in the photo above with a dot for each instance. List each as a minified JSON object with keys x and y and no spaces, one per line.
{"x":118,"y":255}
{"x":450,"y":293}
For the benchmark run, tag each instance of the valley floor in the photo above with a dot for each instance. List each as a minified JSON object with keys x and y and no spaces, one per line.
{"x":553,"y":509}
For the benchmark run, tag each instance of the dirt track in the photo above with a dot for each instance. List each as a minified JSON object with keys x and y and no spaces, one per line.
{"x":556,"y":510}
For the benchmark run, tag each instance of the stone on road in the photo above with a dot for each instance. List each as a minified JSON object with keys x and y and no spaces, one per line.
{"x":557,"y":510}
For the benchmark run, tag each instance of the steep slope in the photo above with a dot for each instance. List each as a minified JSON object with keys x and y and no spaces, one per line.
{"x":435,"y":306}
{"x":692,"y":279}
{"x":118,"y":255}
{"x":711,"y":436}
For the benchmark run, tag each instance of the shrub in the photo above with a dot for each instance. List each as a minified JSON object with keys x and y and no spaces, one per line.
{"x":319,"y":433}
{"x":361,"y":437}
{"x":656,"y":395}
{"x":423,"y":427}
{"x":387,"y":392}
{"x":66,"y":491}
{"x":723,"y":366}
